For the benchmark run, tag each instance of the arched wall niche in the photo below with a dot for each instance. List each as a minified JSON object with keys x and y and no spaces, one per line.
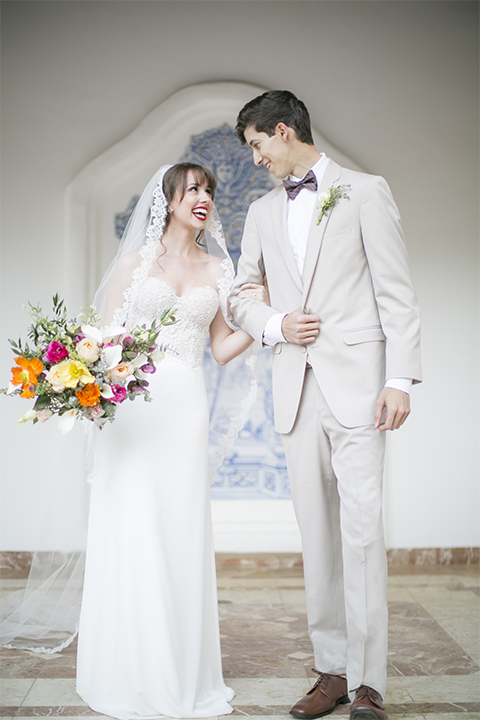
{"x":250,"y":515}
{"x":107,"y":184}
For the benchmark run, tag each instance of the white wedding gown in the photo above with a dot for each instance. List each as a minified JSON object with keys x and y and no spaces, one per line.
{"x":149,"y":637}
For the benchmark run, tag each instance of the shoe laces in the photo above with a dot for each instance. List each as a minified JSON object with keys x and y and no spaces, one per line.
{"x":324,"y":679}
{"x":365,"y":691}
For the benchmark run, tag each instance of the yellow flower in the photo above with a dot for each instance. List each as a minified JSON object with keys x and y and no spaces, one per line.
{"x":71,"y":372}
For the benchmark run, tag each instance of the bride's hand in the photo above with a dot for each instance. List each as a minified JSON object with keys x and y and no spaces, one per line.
{"x":255,"y":291}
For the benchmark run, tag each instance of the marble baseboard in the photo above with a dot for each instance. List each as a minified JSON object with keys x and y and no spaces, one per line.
{"x":434,"y":556}
{"x":15,"y":564}
{"x":409,"y":556}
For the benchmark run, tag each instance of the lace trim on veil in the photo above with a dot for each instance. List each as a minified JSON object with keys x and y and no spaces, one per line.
{"x":147,"y":253}
{"x":237,"y":422}
{"x":52,"y":597}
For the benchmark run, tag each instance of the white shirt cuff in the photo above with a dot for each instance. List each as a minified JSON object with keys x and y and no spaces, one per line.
{"x":403,"y":384}
{"x":273,"y":330}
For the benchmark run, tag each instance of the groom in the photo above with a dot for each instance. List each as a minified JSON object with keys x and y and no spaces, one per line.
{"x":344,"y":328}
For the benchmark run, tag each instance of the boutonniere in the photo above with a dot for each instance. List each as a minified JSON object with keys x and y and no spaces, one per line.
{"x":329,"y":199}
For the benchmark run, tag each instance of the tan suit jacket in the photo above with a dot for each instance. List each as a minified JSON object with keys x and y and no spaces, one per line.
{"x":356,"y":278}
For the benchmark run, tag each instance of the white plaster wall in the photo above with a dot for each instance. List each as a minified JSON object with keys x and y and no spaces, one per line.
{"x":393,"y":84}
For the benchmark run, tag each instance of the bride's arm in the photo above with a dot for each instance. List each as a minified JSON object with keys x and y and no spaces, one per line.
{"x":226,"y":343}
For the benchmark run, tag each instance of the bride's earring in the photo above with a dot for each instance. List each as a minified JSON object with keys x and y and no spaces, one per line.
{"x":169,"y":209}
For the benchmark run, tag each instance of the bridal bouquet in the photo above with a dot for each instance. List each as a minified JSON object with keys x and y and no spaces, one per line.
{"x":74,"y":371}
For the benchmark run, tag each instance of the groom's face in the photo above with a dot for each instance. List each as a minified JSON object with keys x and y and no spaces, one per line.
{"x":272,"y":152}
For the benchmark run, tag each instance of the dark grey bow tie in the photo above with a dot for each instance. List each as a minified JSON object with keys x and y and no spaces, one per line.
{"x":293,"y":188}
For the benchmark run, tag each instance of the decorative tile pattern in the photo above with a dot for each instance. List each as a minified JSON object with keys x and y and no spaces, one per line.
{"x":257,"y":467}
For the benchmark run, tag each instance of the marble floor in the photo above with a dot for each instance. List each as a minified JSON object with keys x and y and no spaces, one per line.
{"x":434,"y":653}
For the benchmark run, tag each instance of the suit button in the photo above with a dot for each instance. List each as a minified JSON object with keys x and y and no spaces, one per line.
{"x":304,"y":349}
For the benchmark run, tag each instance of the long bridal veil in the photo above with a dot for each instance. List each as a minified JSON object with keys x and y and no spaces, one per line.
{"x":44,"y":617}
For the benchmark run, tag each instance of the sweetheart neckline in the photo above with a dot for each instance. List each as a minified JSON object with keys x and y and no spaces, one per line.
{"x":180,"y":297}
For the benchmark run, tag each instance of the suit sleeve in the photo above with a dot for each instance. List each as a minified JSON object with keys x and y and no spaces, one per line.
{"x":252,"y":315}
{"x":390,"y":272}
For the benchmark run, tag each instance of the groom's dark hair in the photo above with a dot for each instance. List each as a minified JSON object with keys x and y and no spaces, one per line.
{"x":266,"y":111}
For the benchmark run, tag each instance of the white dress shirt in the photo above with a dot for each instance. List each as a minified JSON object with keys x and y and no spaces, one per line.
{"x":299,"y":216}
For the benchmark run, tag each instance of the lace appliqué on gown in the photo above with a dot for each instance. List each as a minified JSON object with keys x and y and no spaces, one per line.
{"x":194,"y":312}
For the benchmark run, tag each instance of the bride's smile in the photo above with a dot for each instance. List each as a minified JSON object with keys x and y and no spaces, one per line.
{"x":191,"y":211}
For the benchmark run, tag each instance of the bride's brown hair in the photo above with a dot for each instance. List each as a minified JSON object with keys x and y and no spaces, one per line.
{"x":176,"y":179}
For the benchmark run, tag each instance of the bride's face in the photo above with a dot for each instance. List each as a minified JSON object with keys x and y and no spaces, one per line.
{"x":193,"y":209}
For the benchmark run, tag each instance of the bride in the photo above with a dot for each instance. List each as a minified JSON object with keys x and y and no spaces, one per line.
{"x":149,"y":636}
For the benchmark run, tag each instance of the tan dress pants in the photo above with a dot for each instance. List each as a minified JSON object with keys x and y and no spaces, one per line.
{"x":336,"y":482}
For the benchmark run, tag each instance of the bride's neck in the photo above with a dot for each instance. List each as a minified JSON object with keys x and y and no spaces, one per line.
{"x":179,"y":241}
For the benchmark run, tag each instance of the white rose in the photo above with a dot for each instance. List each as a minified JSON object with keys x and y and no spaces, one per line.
{"x":88,"y":350}
{"x":53,"y":378}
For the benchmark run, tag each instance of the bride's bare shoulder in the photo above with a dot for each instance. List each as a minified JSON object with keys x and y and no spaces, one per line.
{"x":216,"y":267}
{"x":127,"y":263}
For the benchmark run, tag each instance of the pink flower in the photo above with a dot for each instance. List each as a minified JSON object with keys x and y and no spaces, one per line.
{"x":56,"y":352}
{"x":44,"y":415}
{"x":120,"y":393}
{"x":94,"y":412}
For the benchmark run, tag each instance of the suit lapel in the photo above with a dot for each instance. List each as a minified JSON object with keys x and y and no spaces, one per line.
{"x":317,"y":232}
{"x":279,"y":220}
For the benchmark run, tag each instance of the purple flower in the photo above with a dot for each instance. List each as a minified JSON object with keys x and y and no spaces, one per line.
{"x":56,"y":352}
{"x":135,"y":389}
{"x":147,"y":368}
{"x":127,"y":340}
{"x":78,"y":337}
{"x":119,"y":392}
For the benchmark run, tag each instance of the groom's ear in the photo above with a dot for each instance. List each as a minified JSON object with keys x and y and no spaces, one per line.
{"x":284,"y":132}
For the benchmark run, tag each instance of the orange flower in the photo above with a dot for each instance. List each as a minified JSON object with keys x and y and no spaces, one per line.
{"x":26,"y":375}
{"x":88,"y":396}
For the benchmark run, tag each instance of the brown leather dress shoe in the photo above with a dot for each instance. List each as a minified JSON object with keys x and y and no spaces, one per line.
{"x":328,"y":692}
{"x":367,"y":705}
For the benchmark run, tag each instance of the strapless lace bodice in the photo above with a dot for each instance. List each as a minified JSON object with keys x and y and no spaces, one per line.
{"x":194,"y":313}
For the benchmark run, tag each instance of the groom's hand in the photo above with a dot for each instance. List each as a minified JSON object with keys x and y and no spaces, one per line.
{"x":394,"y":406}
{"x":299,"y":328}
